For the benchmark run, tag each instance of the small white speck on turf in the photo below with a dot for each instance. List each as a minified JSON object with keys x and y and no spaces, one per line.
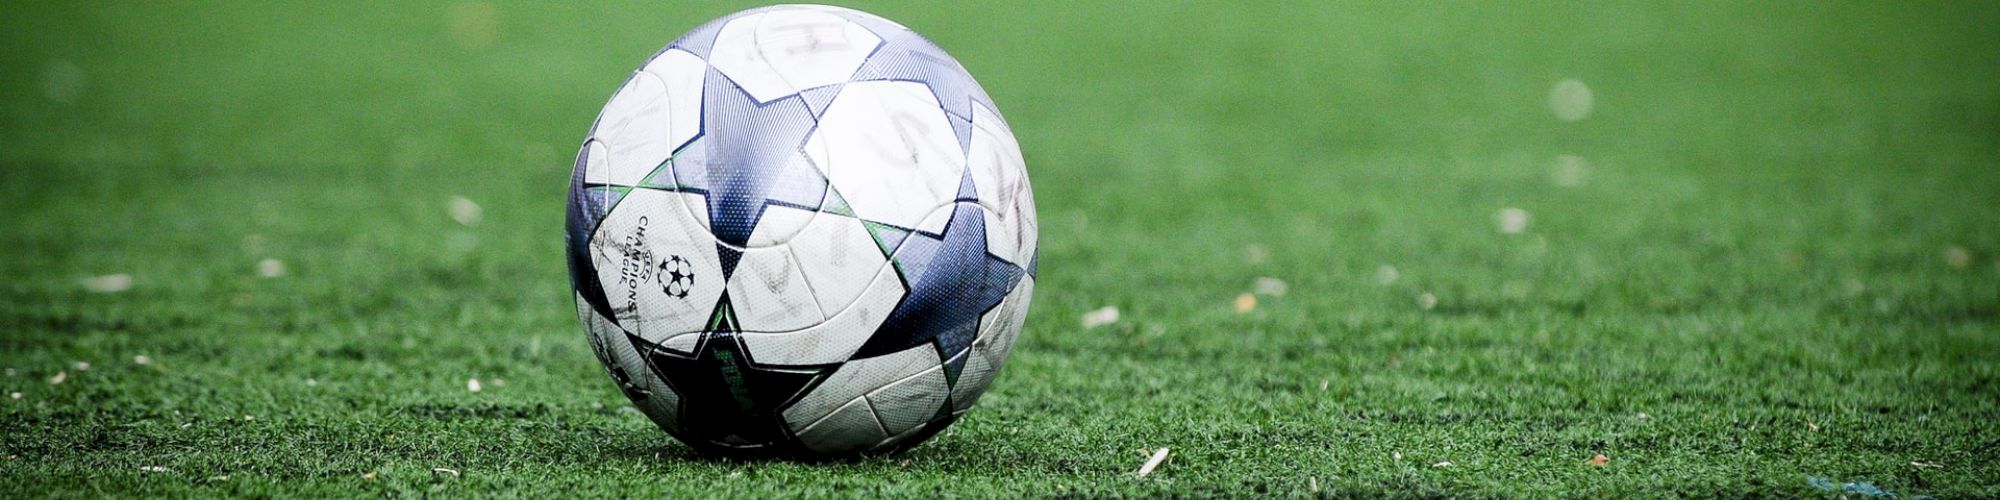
{"x":1511,"y":220}
{"x":109,"y":283}
{"x":1159,"y":456}
{"x":465,"y":211}
{"x":270,"y":268}
{"x":1443,"y":464}
{"x":1269,"y":286}
{"x":1245,"y":303}
{"x":1386,"y":274}
{"x":59,"y":378}
{"x":311,"y":382}
{"x":1571,"y":100}
{"x":472,"y":384}
{"x":444,"y":471}
{"x":1427,"y":301}
{"x":1102,"y":316}
{"x":81,"y":365}
{"x":1570,"y":171}
{"x":1256,"y":254}
{"x":153,"y":468}
{"x":142,"y":360}
{"x":1957,"y":257}
{"x":15,"y":395}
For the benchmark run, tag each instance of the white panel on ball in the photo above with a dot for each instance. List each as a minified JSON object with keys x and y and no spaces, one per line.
{"x":681,"y":73}
{"x":616,"y":352}
{"x":907,"y":403}
{"x":840,"y":260}
{"x":855,"y":379}
{"x":780,"y":52}
{"x":852,"y":426}
{"x":642,"y":232}
{"x":997,"y":331}
{"x":769,"y":294}
{"x":889,"y":151}
{"x":636,"y":129}
{"x":1001,"y":179}
{"x":835,"y":339}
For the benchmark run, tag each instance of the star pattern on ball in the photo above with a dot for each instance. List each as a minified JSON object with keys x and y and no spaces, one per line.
{"x":752,"y":156}
{"x":726,"y":388}
{"x":677,"y":276}
{"x":953,"y":281}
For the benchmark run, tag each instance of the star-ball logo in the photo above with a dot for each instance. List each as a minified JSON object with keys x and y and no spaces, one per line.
{"x":676,"y":276}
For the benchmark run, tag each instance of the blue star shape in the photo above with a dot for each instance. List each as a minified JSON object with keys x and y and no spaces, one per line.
{"x":952,"y":280}
{"x":750,"y":156}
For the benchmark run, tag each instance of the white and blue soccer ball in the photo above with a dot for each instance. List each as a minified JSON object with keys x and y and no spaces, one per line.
{"x":801,"y":230}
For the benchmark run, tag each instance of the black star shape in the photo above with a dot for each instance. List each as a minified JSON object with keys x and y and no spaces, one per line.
{"x":726,"y":401}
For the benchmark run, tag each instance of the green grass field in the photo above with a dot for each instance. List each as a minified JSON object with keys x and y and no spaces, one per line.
{"x":1769,"y":253}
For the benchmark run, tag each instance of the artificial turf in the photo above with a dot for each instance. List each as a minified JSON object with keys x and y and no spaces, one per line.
{"x":1766,"y":261}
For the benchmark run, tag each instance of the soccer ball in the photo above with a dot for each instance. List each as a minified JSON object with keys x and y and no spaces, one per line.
{"x":801,"y":230}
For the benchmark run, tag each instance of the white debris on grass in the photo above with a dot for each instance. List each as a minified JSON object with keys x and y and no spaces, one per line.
{"x":15,"y":395}
{"x":1920,"y":463}
{"x":1256,"y":254}
{"x":441,"y":470}
{"x":465,"y":211}
{"x":1571,"y":100}
{"x":1957,"y":257}
{"x":1443,"y":464}
{"x":1159,"y":456}
{"x":1269,"y":286}
{"x":270,"y":268}
{"x":1386,"y":274}
{"x":1570,"y":171}
{"x":1245,"y":303}
{"x":59,"y":378}
{"x":1102,"y":316}
{"x":1511,"y":220}
{"x":153,"y":468}
{"x":472,"y":384}
{"x":312,"y":382}
{"x":142,"y":360}
{"x":1427,"y":301}
{"x":109,"y":283}
{"x":81,"y":365}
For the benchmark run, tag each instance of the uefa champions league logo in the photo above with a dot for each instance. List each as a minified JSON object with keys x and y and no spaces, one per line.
{"x":676,"y":276}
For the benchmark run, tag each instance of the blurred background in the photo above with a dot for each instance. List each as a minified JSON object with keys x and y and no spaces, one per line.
{"x":1344,"y":242}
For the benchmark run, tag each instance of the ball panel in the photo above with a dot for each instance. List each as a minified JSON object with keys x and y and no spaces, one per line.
{"x":636,"y":130}
{"x":851,"y":427}
{"x":855,"y":379}
{"x":629,"y":369}
{"x":1001,"y":179}
{"x":770,"y":294}
{"x":835,"y":339}
{"x":840,"y":261}
{"x":658,"y":268}
{"x":681,"y":74}
{"x":889,"y":151}
{"x":779,"y":52}
{"x":997,"y":332}
{"x":904,"y":404}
